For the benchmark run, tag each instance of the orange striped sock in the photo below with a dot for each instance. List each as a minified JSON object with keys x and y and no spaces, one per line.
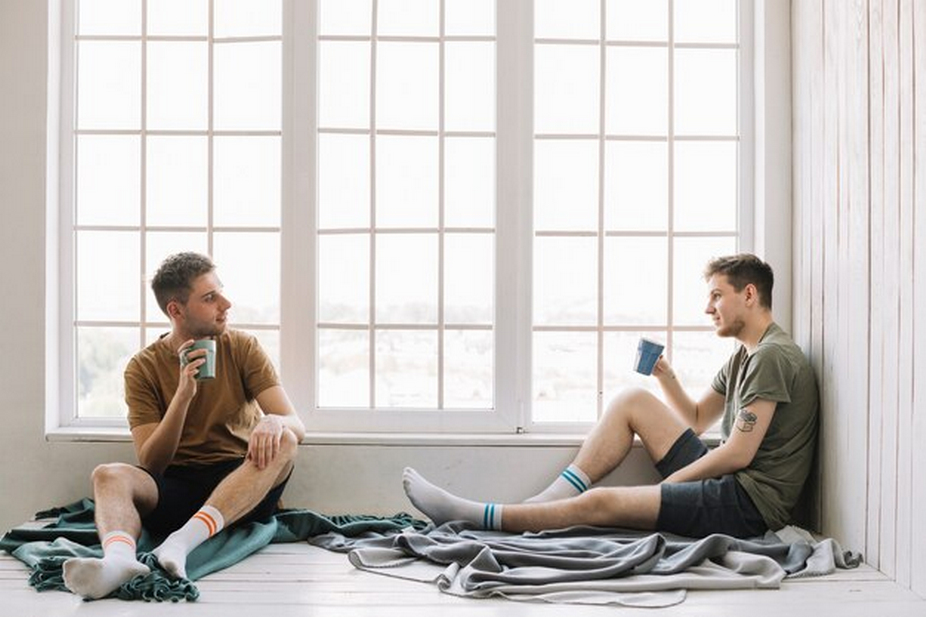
{"x":173,"y":552}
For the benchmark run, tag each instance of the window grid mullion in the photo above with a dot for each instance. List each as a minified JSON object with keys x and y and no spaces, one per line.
{"x":670,"y":191}
{"x":210,"y":125}
{"x":440,"y":209}
{"x":374,"y":4}
{"x":143,"y":178}
{"x":599,"y":335}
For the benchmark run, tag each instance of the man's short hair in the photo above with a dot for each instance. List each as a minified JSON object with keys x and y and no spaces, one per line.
{"x":174,"y":279}
{"x":742,"y":270}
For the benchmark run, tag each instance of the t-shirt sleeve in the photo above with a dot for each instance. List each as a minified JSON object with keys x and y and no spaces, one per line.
{"x":257,"y":370}
{"x":140,"y":397}
{"x":719,"y":384}
{"x":768,"y":377}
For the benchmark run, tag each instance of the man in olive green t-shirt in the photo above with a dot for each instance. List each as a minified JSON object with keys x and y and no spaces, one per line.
{"x":211,"y":452}
{"x":766,"y":394}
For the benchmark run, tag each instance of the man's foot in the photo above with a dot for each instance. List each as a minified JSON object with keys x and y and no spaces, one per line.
{"x":172,"y":557}
{"x":441,"y":506}
{"x":97,"y":578}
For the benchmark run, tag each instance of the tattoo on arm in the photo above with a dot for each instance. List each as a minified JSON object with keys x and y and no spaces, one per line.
{"x":746,"y":421}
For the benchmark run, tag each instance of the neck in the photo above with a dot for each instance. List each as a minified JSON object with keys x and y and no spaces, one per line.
{"x":753,"y":331}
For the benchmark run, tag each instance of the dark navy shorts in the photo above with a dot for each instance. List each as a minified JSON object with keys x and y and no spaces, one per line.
{"x":183,"y":490}
{"x":702,"y":507}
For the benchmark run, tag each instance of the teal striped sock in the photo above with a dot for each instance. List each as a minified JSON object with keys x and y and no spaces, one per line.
{"x":492,"y":517}
{"x":571,"y":482}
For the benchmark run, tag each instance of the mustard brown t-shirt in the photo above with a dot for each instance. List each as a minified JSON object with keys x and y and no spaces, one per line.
{"x":778,"y":371}
{"x":224,"y":410}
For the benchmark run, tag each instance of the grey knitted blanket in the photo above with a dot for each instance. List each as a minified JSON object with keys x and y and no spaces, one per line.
{"x":587,"y":565}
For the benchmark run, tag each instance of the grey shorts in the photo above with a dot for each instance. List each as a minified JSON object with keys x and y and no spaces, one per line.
{"x":702,"y":507}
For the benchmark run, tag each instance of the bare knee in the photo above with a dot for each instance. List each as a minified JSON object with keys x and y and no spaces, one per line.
{"x":112,"y":475}
{"x":628,"y":400}
{"x":289,"y":445}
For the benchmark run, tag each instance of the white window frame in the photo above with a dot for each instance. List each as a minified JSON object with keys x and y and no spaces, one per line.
{"x":514,"y":232}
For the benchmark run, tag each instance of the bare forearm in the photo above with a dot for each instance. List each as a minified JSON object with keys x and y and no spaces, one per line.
{"x":158,"y":450}
{"x":716,"y":463}
{"x":677,"y":398}
{"x":293,"y":423}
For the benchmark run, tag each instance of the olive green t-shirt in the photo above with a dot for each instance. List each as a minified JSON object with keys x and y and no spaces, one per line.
{"x":224,"y":410}
{"x":776,"y":371}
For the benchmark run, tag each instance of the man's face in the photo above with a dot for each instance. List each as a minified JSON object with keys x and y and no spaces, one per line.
{"x":206,"y":311}
{"x":726,"y":306}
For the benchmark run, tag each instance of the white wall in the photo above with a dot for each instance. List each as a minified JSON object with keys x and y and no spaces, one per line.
{"x":860,"y":258}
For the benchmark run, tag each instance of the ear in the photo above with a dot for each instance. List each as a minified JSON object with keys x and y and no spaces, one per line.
{"x":174,"y":310}
{"x":752,"y":294}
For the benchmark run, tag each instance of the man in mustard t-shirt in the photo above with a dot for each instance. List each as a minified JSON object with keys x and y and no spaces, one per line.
{"x":211,"y":452}
{"x":766,"y":394}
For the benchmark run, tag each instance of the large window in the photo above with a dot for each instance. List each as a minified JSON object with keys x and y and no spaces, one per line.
{"x":436,"y":215}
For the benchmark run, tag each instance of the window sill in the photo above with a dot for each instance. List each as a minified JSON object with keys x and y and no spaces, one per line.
{"x":475,"y":440}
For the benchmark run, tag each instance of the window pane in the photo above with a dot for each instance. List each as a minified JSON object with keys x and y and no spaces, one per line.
{"x":575,"y":19}
{"x":566,"y":89}
{"x":108,"y":85}
{"x":469,"y":181}
{"x":177,"y":181}
{"x":406,"y":369}
{"x":108,"y":180}
{"x":635,"y":281}
{"x":469,"y":86}
{"x":158,"y":246}
{"x":248,"y":18}
{"x":705,"y":186}
{"x":408,"y":17}
{"x":345,"y":17}
{"x":343,"y":368}
{"x":689,"y":287}
{"x":102,"y":355}
{"x":705,"y":91}
{"x":344,"y":84}
{"x":637,"y":91}
{"x":247,"y":181}
{"x":632,"y":20}
{"x":406,"y":181}
{"x":469,"y":279}
{"x":407,"y":86}
{"x":636,"y":186}
{"x":565,"y":281}
{"x":344,"y":279}
{"x":107,"y":276}
{"x":565,"y":383}
{"x":696,"y":358}
{"x":249,"y":267}
{"x":565,"y":185}
{"x":177,"y":17}
{"x":469,"y":17}
{"x":620,"y":352}
{"x":406,"y":278}
{"x":343,"y":181}
{"x":108,"y":17}
{"x":468,"y":375}
{"x":705,"y":21}
{"x":177,"y":86}
{"x":247,"y":86}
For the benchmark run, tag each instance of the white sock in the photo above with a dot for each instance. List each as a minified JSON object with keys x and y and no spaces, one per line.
{"x":571,"y":482}
{"x":173,"y":551}
{"x":441,"y":506}
{"x":97,"y":578}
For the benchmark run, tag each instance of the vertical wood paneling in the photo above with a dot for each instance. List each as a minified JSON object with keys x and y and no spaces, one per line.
{"x":905,"y":340}
{"x":918,"y":431}
{"x":860,"y":200}
{"x":876,"y":227}
{"x":889,"y":295}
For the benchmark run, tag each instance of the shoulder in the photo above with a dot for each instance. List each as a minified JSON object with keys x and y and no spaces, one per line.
{"x":147,"y":360}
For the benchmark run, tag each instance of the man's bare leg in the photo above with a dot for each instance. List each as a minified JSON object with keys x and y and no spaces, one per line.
{"x":636,"y":507}
{"x":234,"y":497}
{"x":634,"y":412}
{"x":120,"y":492}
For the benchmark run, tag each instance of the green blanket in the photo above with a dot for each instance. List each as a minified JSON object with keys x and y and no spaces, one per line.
{"x":73,"y":534}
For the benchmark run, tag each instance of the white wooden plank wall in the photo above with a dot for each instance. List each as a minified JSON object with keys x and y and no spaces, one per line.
{"x":859,"y":71}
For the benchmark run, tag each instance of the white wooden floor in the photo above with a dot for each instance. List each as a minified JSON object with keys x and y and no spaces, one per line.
{"x":297,"y":579}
